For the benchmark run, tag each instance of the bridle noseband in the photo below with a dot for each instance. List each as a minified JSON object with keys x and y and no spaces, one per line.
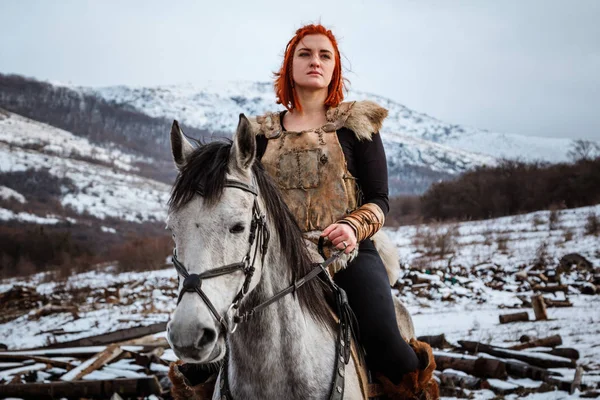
{"x":258,"y":232}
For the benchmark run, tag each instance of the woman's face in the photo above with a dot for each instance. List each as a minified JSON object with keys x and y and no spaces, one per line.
{"x":313,"y":62}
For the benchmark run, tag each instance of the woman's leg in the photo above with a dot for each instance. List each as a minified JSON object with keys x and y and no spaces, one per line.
{"x":366,"y":282}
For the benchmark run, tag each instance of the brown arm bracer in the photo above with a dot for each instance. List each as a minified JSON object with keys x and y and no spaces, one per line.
{"x":365,"y":220}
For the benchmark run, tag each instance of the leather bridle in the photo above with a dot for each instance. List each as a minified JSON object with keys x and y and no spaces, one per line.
{"x":260,"y":233}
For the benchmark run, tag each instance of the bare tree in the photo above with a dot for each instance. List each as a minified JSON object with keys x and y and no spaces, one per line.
{"x":583,"y":150}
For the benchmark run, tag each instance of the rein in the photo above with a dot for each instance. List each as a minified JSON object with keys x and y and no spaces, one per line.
{"x":259,"y":231}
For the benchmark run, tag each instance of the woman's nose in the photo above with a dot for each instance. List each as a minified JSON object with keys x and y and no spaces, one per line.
{"x":315,"y":61}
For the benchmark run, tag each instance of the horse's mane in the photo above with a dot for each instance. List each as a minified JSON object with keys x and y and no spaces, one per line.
{"x":206,"y":171}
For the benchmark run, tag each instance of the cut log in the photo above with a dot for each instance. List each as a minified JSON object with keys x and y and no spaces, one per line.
{"x":550,"y":341}
{"x":551,"y":288}
{"x":458,"y":379}
{"x":566,"y":352}
{"x":536,"y":359}
{"x":479,"y":367}
{"x":113,"y":337}
{"x":104,"y":357}
{"x":502,"y":387}
{"x":103,"y":389}
{"x":520,"y":316}
{"x":557,"y":303}
{"x":522,"y":370}
{"x":539,"y":308}
{"x":577,"y":379}
{"x":436,"y":341}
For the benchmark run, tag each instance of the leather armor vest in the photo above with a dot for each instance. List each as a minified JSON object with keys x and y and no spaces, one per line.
{"x":310,"y":169}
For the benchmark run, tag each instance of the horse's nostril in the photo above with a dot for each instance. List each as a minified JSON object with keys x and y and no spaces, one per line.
{"x":208,"y":335}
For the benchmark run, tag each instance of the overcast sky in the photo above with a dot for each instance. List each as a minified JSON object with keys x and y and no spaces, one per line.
{"x":518,"y":66}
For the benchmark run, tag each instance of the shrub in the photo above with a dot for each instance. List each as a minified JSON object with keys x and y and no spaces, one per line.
{"x":592,"y":225}
{"x":436,"y":240}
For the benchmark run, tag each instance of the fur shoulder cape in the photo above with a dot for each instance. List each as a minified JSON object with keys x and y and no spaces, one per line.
{"x":364,"y":118}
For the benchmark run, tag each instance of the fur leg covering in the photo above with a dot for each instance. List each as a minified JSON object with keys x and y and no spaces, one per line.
{"x":416,"y":385}
{"x":182,"y":388}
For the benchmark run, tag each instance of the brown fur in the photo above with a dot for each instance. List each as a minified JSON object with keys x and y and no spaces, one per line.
{"x":364,"y":119}
{"x":181,"y":389}
{"x":419,"y":384}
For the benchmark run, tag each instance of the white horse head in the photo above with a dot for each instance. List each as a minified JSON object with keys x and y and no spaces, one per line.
{"x":211,"y":224}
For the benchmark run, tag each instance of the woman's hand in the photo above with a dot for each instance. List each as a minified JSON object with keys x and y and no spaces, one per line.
{"x":342,"y":236}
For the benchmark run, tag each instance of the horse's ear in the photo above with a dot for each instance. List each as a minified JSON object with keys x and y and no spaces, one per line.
{"x":180,"y":146}
{"x":243,"y":150}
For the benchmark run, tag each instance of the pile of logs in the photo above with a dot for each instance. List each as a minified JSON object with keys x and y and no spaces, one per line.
{"x":18,"y":301}
{"x":521,"y":369}
{"x":574,"y":274}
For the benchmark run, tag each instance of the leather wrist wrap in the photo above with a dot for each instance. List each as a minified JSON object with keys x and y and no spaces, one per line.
{"x":366,"y":221}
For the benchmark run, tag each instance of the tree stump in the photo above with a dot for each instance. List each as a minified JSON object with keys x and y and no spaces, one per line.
{"x":539,"y":308}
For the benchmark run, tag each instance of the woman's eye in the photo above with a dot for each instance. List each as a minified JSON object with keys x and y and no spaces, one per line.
{"x":326,"y":56}
{"x":237,"y":228}
{"x":302,"y":54}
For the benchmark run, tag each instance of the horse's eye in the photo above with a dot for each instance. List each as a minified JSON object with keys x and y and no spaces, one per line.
{"x":237,"y":228}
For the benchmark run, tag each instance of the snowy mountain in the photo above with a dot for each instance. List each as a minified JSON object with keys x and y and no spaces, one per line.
{"x":215,"y":107}
{"x":101,"y":182}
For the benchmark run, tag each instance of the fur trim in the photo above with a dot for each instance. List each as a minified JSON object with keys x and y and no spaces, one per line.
{"x":364,"y":118}
{"x":416,"y":385}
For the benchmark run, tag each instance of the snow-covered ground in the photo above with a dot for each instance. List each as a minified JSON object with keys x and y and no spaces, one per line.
{"x":105,"y":178}
{"x":463,"y":304}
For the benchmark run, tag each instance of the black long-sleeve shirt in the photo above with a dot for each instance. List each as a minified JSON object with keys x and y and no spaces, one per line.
{"x":365,"y":161}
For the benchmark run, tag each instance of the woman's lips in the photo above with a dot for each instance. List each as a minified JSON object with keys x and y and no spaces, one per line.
{"x":314,"y":73}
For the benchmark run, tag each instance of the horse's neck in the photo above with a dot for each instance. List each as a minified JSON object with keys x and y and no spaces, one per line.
{"x":282,"y":352}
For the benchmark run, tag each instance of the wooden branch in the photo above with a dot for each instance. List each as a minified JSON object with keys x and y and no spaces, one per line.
{"x":539,"y":308}
{"x":577,"y":380}
{"x":49,"y":309}
{"x":10,"y":365}
{"x":113,"y":337}
{"x":536,"y":359}
{"x":550,"y":341}
{"x":104,"y":357}
{"x":520,"y":316}
{"x":76,"y":389}
{"x":45,"y":360}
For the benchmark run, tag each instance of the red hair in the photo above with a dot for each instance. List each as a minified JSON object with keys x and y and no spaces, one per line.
{"x":284,"y":89}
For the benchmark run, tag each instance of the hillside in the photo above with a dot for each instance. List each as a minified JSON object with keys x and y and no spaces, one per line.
{"x":215,"y":107}
{"x":67,"y":202}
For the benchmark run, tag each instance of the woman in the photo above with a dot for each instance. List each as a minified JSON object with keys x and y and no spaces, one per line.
{"x":329,"y":163}
{"x":328,"y":160}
